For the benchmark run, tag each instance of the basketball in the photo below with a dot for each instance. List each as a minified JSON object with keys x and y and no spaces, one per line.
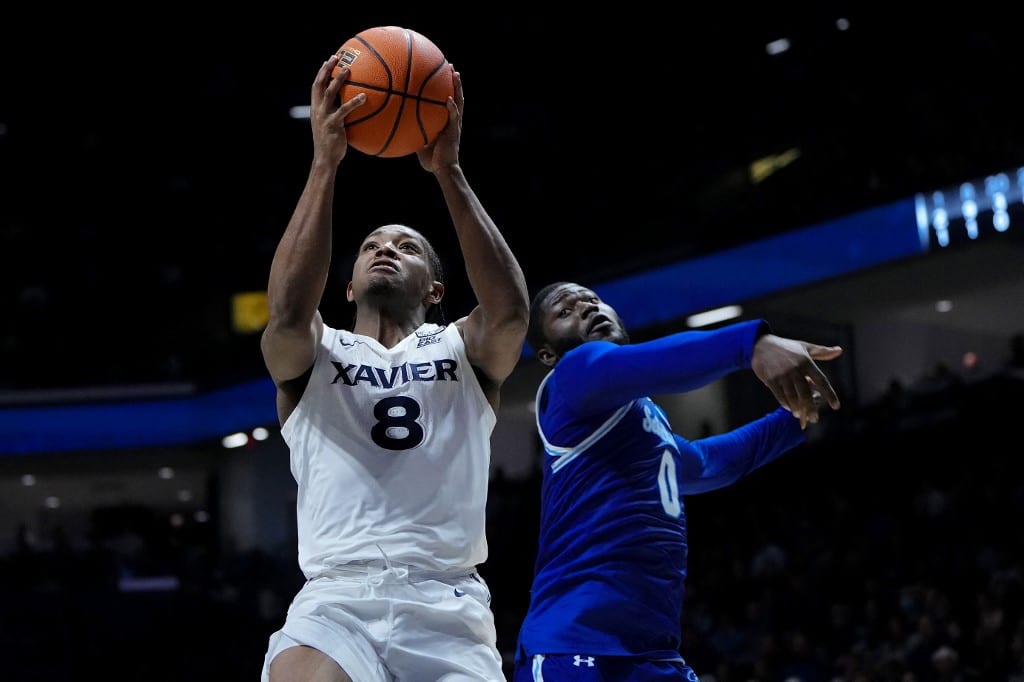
{"x":407,"y":82}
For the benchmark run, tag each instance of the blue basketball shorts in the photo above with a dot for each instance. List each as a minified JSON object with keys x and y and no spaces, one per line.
{"x":588,"y":668}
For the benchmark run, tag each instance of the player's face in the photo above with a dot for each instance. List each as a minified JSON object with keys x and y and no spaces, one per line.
{"x":574,"y":315}
{"x":392,"y":261}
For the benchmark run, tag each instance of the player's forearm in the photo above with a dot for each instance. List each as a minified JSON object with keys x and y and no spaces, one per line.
{"x":298,"y":272}
{"x":730,"y":456}
{"x":492,"y":269}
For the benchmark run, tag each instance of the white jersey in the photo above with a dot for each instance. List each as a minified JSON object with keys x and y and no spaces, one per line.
{"x":391,"y":452}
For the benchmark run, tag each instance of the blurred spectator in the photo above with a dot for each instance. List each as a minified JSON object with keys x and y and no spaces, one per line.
{"x":945,"y":662}
{"x":1015,"y":365}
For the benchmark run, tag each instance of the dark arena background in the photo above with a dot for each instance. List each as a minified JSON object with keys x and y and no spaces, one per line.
{"x":852,"y":176}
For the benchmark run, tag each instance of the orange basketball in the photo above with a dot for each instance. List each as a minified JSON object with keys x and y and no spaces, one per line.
{"x":407,"y":82}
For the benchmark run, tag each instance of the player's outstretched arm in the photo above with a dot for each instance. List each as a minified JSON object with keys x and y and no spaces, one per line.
{"x":723,"y":459}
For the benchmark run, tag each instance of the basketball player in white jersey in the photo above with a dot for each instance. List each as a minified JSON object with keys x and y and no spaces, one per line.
{"x":389,"y":429}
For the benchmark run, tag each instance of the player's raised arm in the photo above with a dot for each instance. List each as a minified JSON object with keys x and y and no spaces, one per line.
{"x":298,"y":272}
{"x":496,"y":328}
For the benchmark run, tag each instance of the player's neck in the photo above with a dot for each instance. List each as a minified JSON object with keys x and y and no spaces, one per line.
{"x":389,"y":330}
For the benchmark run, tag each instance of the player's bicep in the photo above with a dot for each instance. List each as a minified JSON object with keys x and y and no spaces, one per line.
{"x":289,"y":352}
{"x":493,"y":349}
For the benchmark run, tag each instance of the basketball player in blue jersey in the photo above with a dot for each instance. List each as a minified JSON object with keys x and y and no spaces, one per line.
{"x":607,"y":595}
{"x":388,"y":427}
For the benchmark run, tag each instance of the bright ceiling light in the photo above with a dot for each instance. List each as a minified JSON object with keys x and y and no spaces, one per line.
{"x":709,"y":317}
{"x":777,"y":46}
{"x":235,"y":440}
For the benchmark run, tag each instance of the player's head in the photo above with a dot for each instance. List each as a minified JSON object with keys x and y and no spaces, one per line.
{"x":397,"y":266}
{"x":564,"y":315}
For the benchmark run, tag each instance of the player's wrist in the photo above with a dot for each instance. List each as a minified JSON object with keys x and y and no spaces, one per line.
{"x":448,"y":170}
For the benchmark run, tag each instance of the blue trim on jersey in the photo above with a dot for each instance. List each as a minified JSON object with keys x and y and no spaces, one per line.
{"x":611,"y":561}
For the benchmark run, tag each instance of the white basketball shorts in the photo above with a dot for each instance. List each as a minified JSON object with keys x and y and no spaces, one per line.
{"x":383,"y":623}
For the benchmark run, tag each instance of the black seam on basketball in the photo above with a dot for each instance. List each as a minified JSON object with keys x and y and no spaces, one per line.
{"x":383,"y":62}
{"x":420,"y":100}
{"x":396,"y":122}
{"x":408,"y":61}
{"x":351,"y":122}
{"x":396,"y":93}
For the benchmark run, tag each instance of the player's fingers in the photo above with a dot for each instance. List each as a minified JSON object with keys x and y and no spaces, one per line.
{"x":791,"y":402}
{"x":790,"y":399}
{"x":454,"y":110}
{"x":334,"y":87}
{"x":459,"y":97}
{"x":820,"y":384}
{"x":324,"y":74}
{"x":817,"y":378}
{"x":827,"y":392}
{"x":779,"y":395}
{"x":357,"y":101}
{"x":814,"y":402}
{"x":824,"y":352}
{"x":799,"y":395}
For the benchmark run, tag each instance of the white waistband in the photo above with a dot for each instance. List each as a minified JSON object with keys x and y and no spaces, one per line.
{"x":380,"y":570}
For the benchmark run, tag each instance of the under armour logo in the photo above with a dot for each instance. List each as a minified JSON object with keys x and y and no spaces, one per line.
{"x":578,"y":660}
{"x":459,"y":593}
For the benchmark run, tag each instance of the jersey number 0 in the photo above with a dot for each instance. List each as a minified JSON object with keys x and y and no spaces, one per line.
{"x":668,"y":485}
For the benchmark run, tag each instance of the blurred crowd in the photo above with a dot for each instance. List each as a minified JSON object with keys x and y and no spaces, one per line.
{"x":889,"y":550}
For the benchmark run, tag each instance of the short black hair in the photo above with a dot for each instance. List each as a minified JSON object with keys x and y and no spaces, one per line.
{"x":535,"y":332}
{"x":435,"y":313}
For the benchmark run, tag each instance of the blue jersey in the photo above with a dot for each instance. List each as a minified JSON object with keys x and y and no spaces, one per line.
{"x":611,"y":560}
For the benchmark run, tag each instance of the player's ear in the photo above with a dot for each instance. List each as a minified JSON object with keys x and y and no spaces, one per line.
{"x":348,"y":293}
{"x":547,"y":356}
{"x":435,"y":294}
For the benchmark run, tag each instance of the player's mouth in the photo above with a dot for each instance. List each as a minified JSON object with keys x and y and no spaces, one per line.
{"x":600,"y":325}
{"x":380,"y":263}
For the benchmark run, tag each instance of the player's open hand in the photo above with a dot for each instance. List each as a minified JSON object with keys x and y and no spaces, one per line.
{"x":327,"y":113}
{"x":444,"y":151}
{"x":789,"y":369}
